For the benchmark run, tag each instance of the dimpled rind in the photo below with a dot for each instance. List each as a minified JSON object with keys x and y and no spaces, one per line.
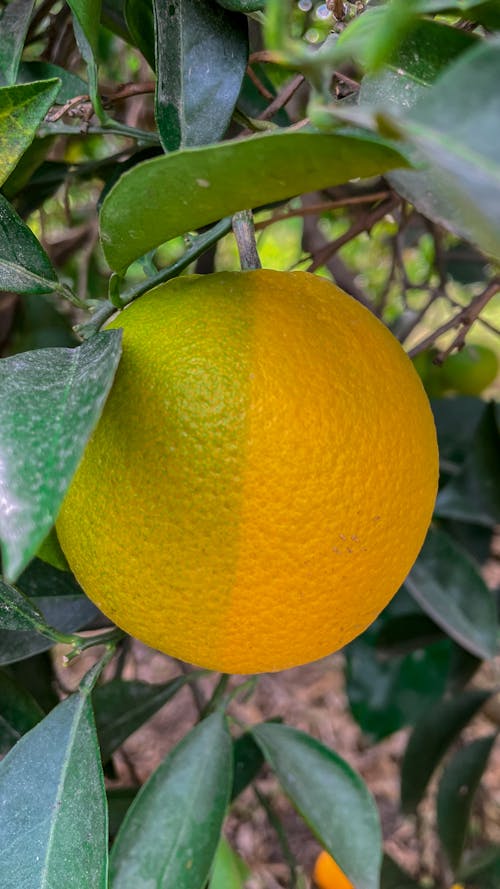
{"x":263,"y":475}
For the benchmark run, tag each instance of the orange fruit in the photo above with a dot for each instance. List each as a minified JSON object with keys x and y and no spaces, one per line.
{"x":262,"y":477}
{"x":327,"y":873}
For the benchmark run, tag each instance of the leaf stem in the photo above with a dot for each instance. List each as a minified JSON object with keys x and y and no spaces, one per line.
{"x":199,"y":245}
{"x":244,"y":232}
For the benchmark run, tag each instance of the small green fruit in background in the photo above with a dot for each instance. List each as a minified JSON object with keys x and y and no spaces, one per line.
{"x":431,"y":374}
{"x":471,"y":370}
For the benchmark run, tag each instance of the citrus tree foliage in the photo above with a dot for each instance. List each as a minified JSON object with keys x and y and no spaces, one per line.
{"x":131,"y":131}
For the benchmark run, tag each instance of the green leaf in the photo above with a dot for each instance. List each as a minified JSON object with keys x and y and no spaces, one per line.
{"x":458,"y":785}
{"x":13,"y":29}
{"x":456,"y":137}
{"x":323,"y":787}
{"x":19,"y":712}
{"x":121,"y":707}
{"x":171,"y":831}
{"x":17,"y":612}
{"x":457,"y":420}
{"x":247,"y":762}
{"x":119,"y":801}
{"x":71,"y":84}
{"x":22,"y":108}
{"x":229,"y":870}
{"x":201,"y":57}
{"x":24,"y":265}
{"x":474,"y":495}
{"x":50,"y":401}
{"x":139,"y":17}
{"x":431,"y":738}
{"x":484,"y":11}
{"x":393,"y":877}
{"x":86,"y":21}
{"x":449,"y":588}
{"x":483,"y":868}
{"x":53,"y":815}
{"x":424,"y":54}
{"x":406,"y":633}
{"x":60,"y":599}
{"x":191,"y":188}
{"x":36,"y":675}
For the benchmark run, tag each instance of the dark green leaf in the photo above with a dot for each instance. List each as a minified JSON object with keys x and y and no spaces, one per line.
{"x":51,"y":399}
{"x":406,"y":633}
{"x":22,"y":108}
{"x":53,"y":816}
{"x":171,"y":831}
{"x":484,"y":11}
{"x":39,"y":324}
{"x":431,"y":738}
{"x":483,"y":868}
{"x":113,"y":18}
{"x":191,"y":188}
{"x":17,"y":612}
{"x":457,"y":788}
{"x":24,"y":265}
{"x":243,"y":5}
{"x":475,"y":539}
{"x":19,"y":712}
{"x":457,"y":420}
{"x":86,"y":21}
{"x":393,"y":877}
{"x":465,"y":264}
{"x":140,"y":22}
{"x":119,"y":802}
{"x":201,"y":57}
{"x":229,"y":870}
{"x":62,"y":602}
{"x":71,"y":84}
{"x":474,"y":495}
{"x":121,"y":707}
{"x":43,"y":183}
{"x":323,"y":787}
{"x":247,"y":762}
{"x":386,"y":694}
{"x":449,"y":588}
{"x":13,"y":29}
{"x":36,"y":674}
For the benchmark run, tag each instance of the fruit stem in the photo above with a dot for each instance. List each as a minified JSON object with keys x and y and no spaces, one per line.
{"x":244,"y":232}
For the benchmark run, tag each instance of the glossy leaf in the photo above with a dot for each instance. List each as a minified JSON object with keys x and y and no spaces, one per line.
{"x":474,"y":495}
{"x":19,"y":712}
{"x":449,"y":588}
{"x":191,"y":188}
{"x":171,"y":831}
{"x":51,"y":399}
{"x":53,"y":815}
{"x":22,"y":108}
{"x":17,"y":612}
{"x":432,"y":736}
{"x":323,"y":787}
{"x":24,"y":265}
{"x":139,"y":17}
{"x":13,"y":29}
{"x":201,"y":57}
{"x":243,"y":5}
{"x":457,"y":788}
{"x":60,"y":599}
{"x":121,"y":707}
{"x":456,"y":137}
{"x":229,"y":871}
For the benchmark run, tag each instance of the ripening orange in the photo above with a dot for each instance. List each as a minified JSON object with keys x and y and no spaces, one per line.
{"x":328,"y":875}
{"x":262,"y":477}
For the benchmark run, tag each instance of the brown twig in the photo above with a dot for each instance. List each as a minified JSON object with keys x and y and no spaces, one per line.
{"x":463,"y":320}
{"x":283,"y":97}
{"x":81,"y":106}
{"x":365,"y":222}
{"x":323,"y":206}
{"x":258,"y":84}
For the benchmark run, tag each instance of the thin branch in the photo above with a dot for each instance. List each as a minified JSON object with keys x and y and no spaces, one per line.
{"x":365,"y":222}
{"x":258,"y":84}
{"x":283,"y":97}
{"x":463,"y":320}
{"x":323,"y":206}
